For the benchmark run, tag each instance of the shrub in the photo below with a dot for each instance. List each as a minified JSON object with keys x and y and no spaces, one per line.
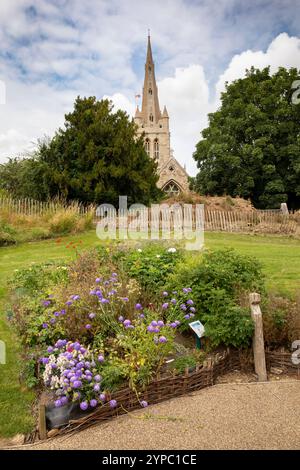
{"x":219,"y":280}
{"x":281,"y":319}
{"x":63,"y":221}
{"x":7,"y":234}
{"x":152,"y":265}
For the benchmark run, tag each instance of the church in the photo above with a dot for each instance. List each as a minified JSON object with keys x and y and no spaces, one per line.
{"x":173,"y":178}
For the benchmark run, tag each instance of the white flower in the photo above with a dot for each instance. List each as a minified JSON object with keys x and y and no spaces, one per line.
{"x":139,"y":250}
{"x":157,"y":256}
{"x":172,"y":250}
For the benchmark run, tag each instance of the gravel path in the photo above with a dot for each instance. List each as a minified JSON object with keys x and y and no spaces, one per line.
{"x":226,"y":416}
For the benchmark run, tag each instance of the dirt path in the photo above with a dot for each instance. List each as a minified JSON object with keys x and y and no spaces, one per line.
{"x":226,"y":416}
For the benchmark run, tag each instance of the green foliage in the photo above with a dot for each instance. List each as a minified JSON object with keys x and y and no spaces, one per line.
{"x":29,"y":373}
{"x":181,"y":363}
{"x":7,"y":234}
{"x":220,"y":281}
{"x":252,"y":146}
{"x":38,"y":278}
{"x":151,"y":265}
{"x":281,"y":318}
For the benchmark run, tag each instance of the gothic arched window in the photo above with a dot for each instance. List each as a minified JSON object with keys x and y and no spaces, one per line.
{"x":150,"y":91}
{"x":151,"y":118}
{"x":156,"y":149}
{"x":171,"y":188}
{"x":147,"y":146}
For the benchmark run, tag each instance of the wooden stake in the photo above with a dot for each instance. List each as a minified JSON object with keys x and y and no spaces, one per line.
{"x":42,"y":423}
{"x":258,"y":339}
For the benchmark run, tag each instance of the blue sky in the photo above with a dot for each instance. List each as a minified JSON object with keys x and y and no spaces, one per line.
{"x":54,"y":50}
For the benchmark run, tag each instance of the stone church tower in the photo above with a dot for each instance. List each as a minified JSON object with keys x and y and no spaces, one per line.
{"x":173,"y":178}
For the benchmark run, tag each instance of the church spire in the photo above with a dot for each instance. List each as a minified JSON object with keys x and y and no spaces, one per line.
{"x":150,"y":104}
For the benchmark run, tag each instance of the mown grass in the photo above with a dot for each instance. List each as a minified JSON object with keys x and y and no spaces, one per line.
{"x":280,"y":257}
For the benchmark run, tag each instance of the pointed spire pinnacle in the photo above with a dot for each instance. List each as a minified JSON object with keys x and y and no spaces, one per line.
{"x":149,"y":59}
{"x":165,"y":112}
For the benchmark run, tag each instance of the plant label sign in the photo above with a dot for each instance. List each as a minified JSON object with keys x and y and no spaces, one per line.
{"x":198,"y":328}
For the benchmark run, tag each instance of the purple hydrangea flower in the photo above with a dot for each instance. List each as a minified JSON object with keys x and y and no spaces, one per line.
{"x":88,"y":326}
{"x":93,"y":403}
{"x":45,"y":325}
{"x":77,"y":383}
{"x":174,"y":301}
{"x":126,"y":322}
{"x":160,"y":323}
{"x":190,"y":302}
{"x":75,"y":297}
{"x":144,"y":403}
{"x":185,"y":290}
{"x":84,"y":405}
{"x":56,"y":314}
{"x":63,"y":312}
{"x":69,"y":302}
{"x":102,"y":396}
{"x":50,"y":349}
{"x":192,"y":309}
{"x":162,"y":339}
{"x":154,"y":323}
{"x":138,"y":307}
{"x":121,"y":319}
{"x":58,"y":403}
{"x":173,"y":325}
{"x":165,"y":294}
{"x":45,"y":360}
{"x":150,"y":328}
{"x":52,"y":321}
{"x":186,"y":316}
{"x":64,"y":400}
{"x":142,"y":315}
{"x":98,"y":279}
{"x":92,"y":315}
{"x":46,"y":303}
{"x":125,"y":299}
{"x":96,"y":388}
{"x":100,"y":358}
{"x":97,"y":378}
{"x":129,"y":327}
{"x":183,"y":307}
{"x":165,"y":305}
{"x":113,"y":403}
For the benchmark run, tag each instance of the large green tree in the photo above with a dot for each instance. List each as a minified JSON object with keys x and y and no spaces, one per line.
{"x":95,"y":158}
{"x":252,"y":145}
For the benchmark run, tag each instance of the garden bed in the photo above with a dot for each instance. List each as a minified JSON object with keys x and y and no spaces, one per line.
{"x":175,"y":385}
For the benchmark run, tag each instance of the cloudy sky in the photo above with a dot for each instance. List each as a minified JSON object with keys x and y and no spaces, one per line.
{"x":53,"y":50}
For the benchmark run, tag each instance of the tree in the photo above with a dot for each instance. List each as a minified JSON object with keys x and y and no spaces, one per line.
{"x":25,"y":177}
{"x":252,"y":145}
{"x":95,"y":158}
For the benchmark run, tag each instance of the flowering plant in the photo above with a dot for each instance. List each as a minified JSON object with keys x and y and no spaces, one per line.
{"x":94,"y":311}
{"x":72,"y":372}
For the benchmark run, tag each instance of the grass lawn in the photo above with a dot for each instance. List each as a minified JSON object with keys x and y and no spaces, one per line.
{"x":281,"y":263}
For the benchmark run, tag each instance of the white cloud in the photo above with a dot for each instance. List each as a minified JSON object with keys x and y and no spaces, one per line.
{"x":283,"y":51}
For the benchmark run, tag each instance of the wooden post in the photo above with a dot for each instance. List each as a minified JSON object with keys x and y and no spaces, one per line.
{"x":42,"y":423}
{"x":258,"y":339}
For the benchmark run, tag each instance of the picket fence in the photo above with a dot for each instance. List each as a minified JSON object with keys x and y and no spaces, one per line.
{"x":267,"y":221}
{"x":32,"y":207}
